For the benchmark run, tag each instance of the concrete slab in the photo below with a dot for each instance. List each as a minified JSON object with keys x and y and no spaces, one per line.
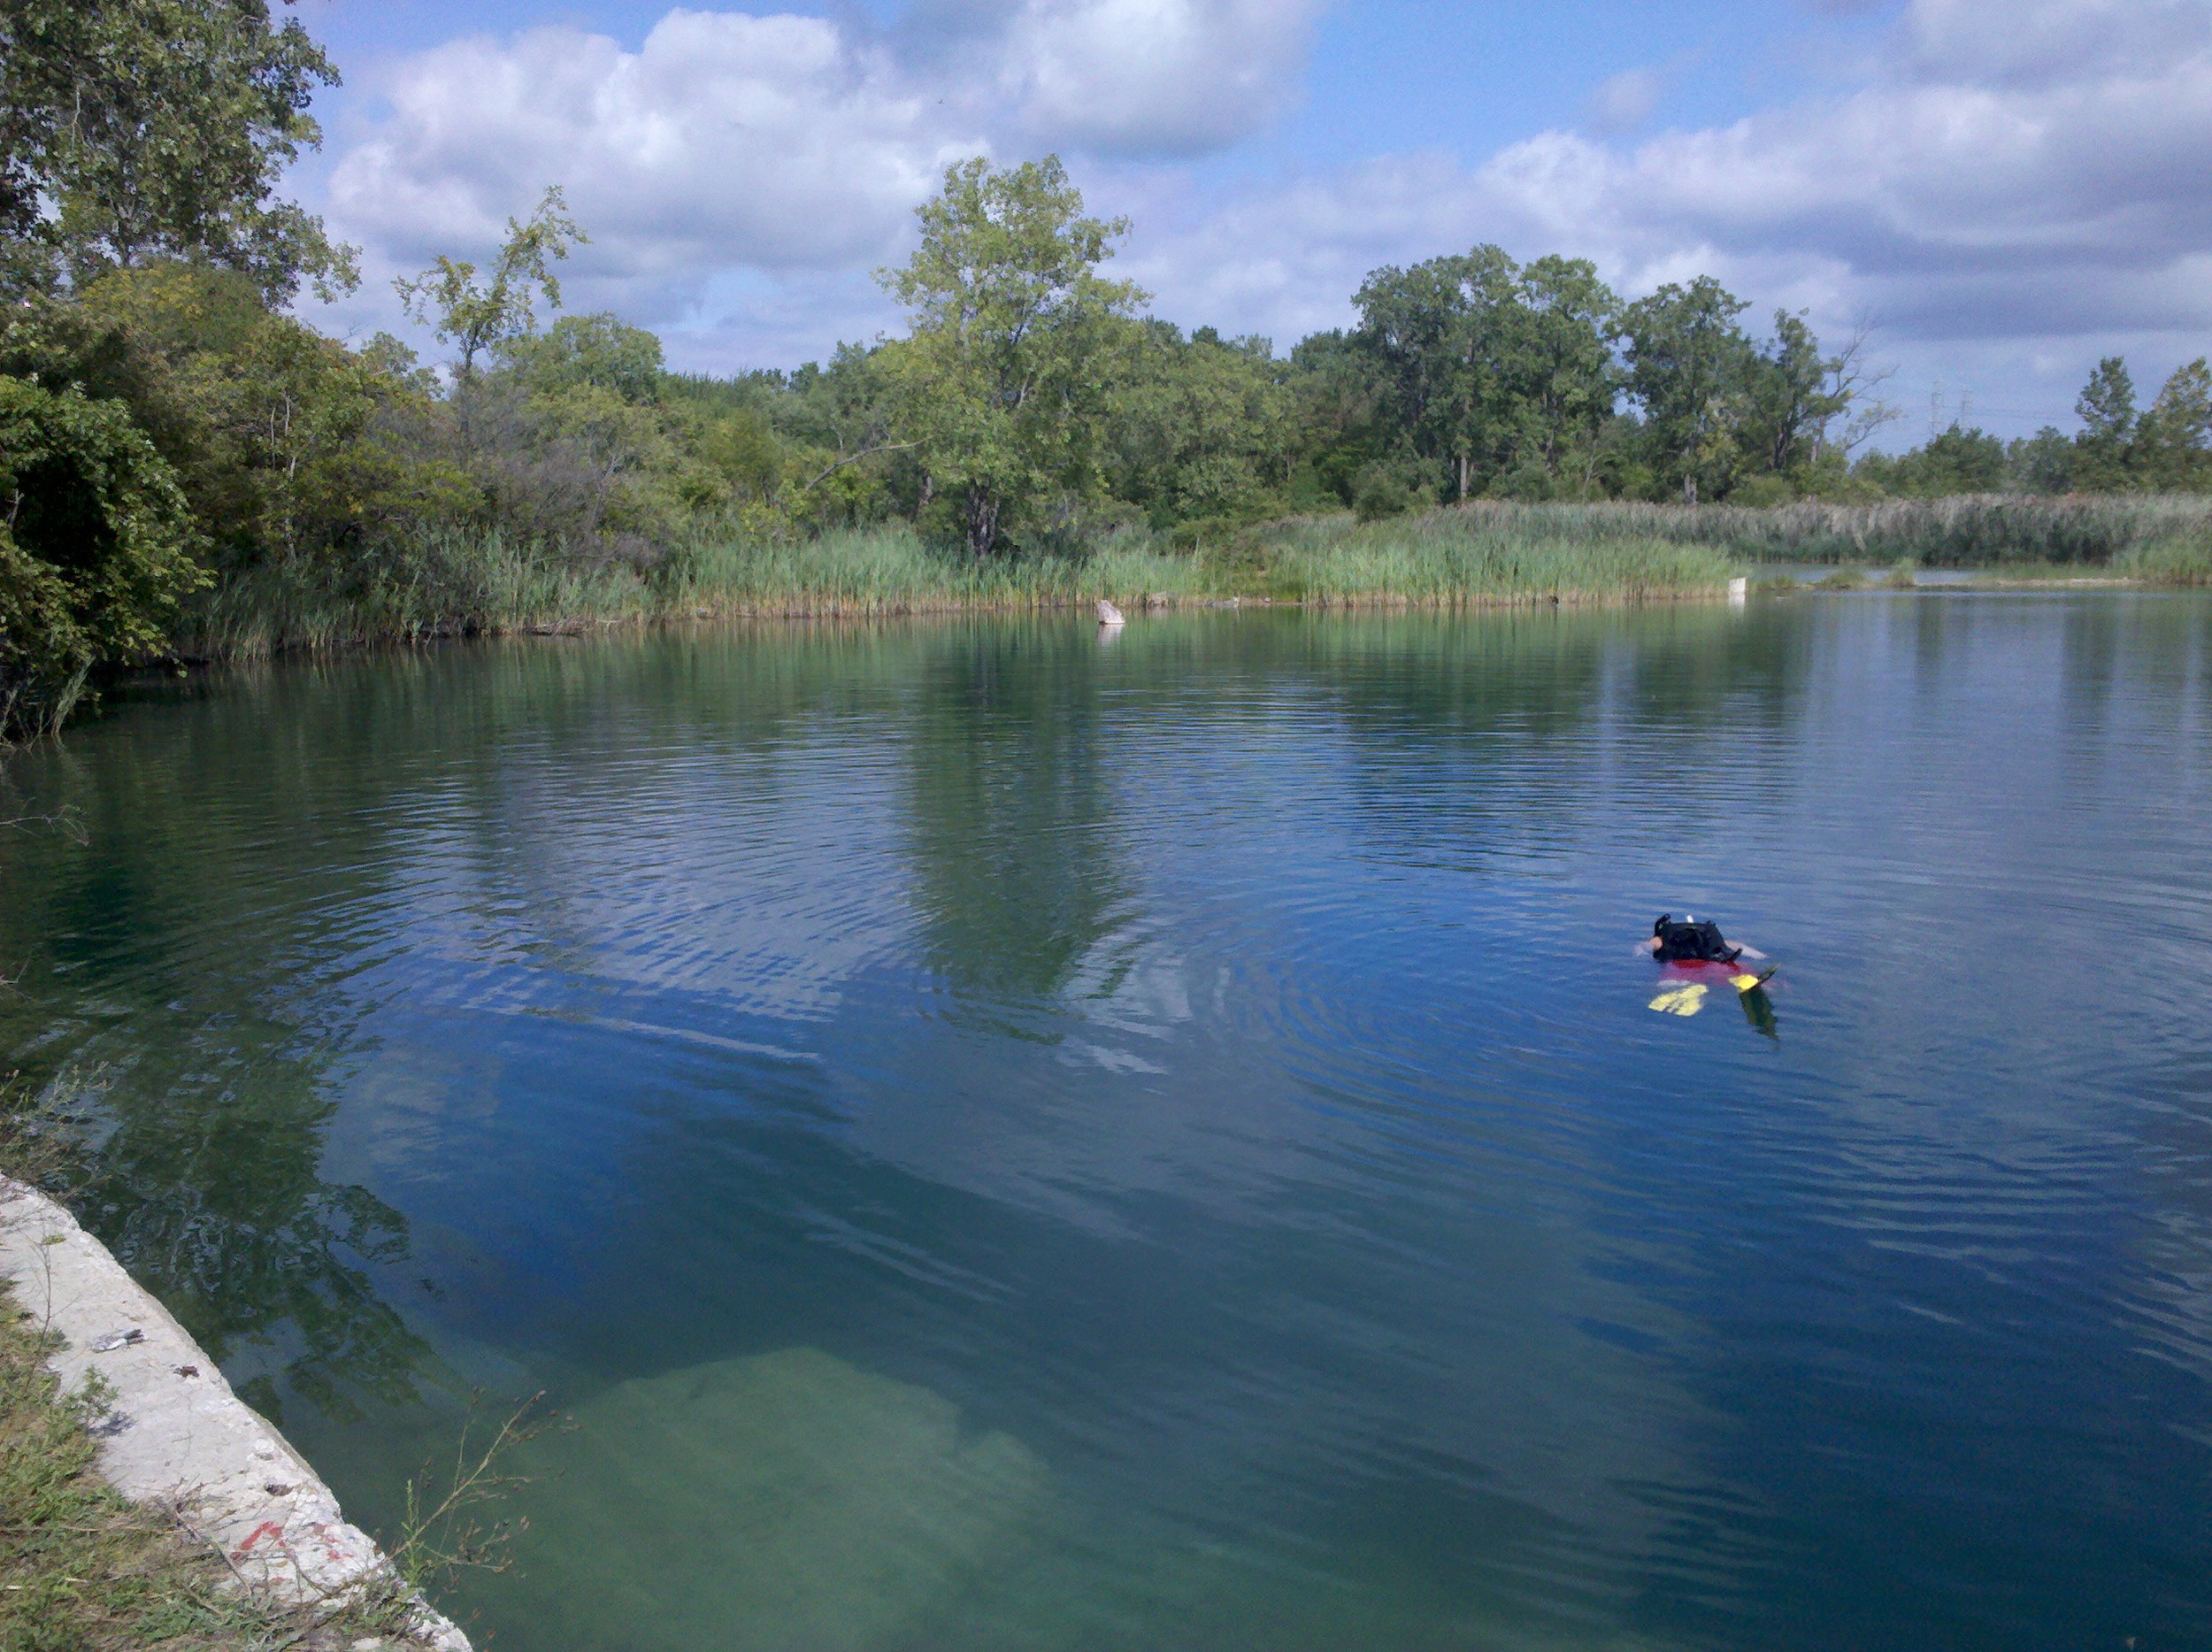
{"x":175,"y":1435}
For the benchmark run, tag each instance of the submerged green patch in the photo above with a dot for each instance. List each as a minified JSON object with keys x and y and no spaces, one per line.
{"x":788,"y":1500}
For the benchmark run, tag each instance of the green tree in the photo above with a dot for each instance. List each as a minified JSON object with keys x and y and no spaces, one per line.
{"x":2104,"y":448}
{"x":1794,"y":394}
{"x":1564,"y":365}
{"x":139,"y":130}
{"x":257,"y":415}
{"x":475,"y":317}
{"x":602,"y":350}
{"x":1958,"y":460}
{"x":1689,"y":364}
{"x":1201,"y":427}
{"x":94,"y":548}
{"x":1004,"y":378}
{"x":2170,"y":445}
{"x":1450,"y":338}
{"x":1338,"y":427}
{"x":2044,"y":463}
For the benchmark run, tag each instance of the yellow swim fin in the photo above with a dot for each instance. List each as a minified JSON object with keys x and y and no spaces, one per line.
{"x":1681,"y":1000}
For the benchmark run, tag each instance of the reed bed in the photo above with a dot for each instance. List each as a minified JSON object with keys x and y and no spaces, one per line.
{"x":1478,"y":555}
{"x":454,"y":585}
{"x":1470,"y":558}
{"x":2176,"y":559}
{"x":1966,"y":531}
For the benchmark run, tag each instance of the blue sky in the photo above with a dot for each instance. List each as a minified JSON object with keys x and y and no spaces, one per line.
{"x":1999,"y":190}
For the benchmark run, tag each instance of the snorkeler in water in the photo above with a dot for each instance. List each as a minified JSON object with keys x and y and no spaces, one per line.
{"x":1687,"y":941}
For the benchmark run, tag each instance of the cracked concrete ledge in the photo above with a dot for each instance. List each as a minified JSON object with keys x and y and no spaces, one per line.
{"x":176,"y":1436}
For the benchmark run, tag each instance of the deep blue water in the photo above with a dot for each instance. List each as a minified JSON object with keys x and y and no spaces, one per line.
{"x":992,"y":1141}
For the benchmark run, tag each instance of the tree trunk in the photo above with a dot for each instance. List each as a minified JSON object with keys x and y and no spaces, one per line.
{"x":1689,"y":488}
{"x":982,"y":513}
{"x":1462,"y":478}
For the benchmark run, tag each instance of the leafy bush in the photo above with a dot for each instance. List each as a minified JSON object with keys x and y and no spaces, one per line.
{"x":95,"y":548}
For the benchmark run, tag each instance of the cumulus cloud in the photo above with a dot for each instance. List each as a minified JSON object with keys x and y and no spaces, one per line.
{"x":725,"y":139}
{"x":1154,"y":77}
{"x":2027,"y":175}
{"x":782,"y":144}
{"x":2018,"y":180}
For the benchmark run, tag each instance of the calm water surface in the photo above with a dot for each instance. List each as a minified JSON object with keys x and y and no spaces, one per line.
{"x":998,"y":1142}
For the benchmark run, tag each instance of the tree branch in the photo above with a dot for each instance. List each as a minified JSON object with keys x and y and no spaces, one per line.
{"x":865,"y":453}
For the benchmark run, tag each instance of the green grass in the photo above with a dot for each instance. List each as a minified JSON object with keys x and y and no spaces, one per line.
{"x":446,"y":586}
{"x":442,"y":584}
{"x":1471,"y":558}
{"x":78,"y":1567}
{"x":1482,"y":555}
{"x":81,"y":1570}
{"x":1969,"y":531}
{"x":2176,"y":559}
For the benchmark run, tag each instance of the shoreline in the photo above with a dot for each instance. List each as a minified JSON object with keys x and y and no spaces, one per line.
{"x":834,"y":613}
{"x":176,"y":1441}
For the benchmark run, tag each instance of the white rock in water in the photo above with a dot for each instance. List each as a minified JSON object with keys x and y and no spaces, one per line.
{"x":1110,"y":615}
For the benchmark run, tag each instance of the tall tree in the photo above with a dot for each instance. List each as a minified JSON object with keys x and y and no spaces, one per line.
{"x":2171,"y":438}
{"x":1795,"y":393}
{"x":1564,"y":363}
{"x":1442,"y":334}
{"x":2105,"y":408}
{"x":1689,"y":364}
{"x":94,"y":548}
{"x":1004,"y":378}
{"x":1201,"y":427}
{"x":137,"y":130}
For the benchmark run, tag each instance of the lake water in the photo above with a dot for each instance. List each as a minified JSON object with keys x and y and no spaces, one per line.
{"x":992,"y":1141}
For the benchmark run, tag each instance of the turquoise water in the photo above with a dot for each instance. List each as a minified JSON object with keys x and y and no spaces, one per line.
{"x":988,"y":1140}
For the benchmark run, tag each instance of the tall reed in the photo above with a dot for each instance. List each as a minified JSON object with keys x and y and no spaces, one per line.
{"x":1968,"y":530}
{"x":449,"y":583}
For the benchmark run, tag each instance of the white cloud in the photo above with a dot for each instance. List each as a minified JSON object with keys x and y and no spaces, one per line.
{"x":1626,"y":103}
{"x":2045,"y":42}
{"x":791,"y":147}
{"x":1160,"y":77}
{"x":725,"y":139}
{"x":1984,"y":202}
{"x":2003,"y":181}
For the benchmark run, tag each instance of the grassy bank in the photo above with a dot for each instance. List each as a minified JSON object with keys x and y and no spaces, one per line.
{"x":1967,"y":531}
{"x":1480,"y":555}
{"x":78,"y":1567}
{"x":2176,"y":559}
{"x":449,"y":584}
{"x":82,"y":1568}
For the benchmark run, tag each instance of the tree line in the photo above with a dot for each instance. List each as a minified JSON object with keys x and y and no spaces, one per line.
{"x":172,"y":434}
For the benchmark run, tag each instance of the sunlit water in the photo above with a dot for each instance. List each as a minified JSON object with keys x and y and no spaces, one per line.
{"x":992,"y":1140}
